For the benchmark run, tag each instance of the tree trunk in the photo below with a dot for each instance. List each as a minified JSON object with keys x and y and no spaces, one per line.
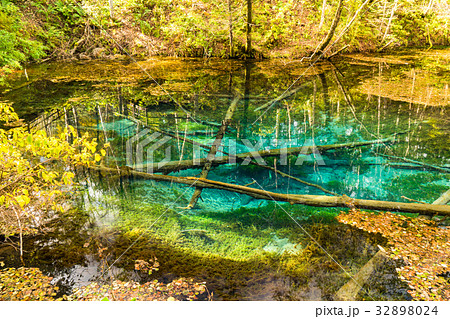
{"x":349,"y":24}
{"x":174,"y":166}
{"x":310,"y":200}
{"x":322,"y":16}
{"x":207,"y":147}
{"x":390,"y":21}
{"x":430,"y":166}
{"x":75,"y":118}
{"x":111,"y":8}
{"x":248,"y":30}
{"x":230,"y":28}
{"x":444,"y":199}
{"x":212,"y":152}
{"x":247,"y":86}
{"x":350,"y":290}
{"x":327,"y":39}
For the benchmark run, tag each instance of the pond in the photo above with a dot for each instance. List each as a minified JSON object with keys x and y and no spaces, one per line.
{"x":165,"y":111}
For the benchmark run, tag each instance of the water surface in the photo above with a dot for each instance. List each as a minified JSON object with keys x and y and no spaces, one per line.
{"x":244,"y":248}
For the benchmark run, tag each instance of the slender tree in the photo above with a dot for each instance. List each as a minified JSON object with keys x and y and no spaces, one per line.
{"x":111,"y":8}
{"x":230,"y":27}
{"x":248,"y":46}
{"x":322,"y":16}
{"x":330,"y":33}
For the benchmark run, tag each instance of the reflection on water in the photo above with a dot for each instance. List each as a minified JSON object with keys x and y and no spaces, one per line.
{"x":244,"y":248}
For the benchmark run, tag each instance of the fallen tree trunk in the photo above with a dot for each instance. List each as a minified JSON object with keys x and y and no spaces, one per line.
{"x":293,"y":178}
{"x":395,"y":165}
{"x":310,"y":200}
{"x":433,"y":167}
{"x":444,"y":199}
{"x":212,"y":152}
{"x":174,"y":166}
{"x":207,"y":147}
{"x":350,"y":290}
{"x":153,"y":128}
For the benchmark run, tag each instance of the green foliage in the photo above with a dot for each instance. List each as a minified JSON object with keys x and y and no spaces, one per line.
{"x":410,"y":28}
{"x":277,"y":23}
{"x":16,"y":44}
{"x":202,"y":28}
{"x":69,"y":12}
{"x":414,"y":27}
{"x":364,"y":34}
{"x":58,"y":22}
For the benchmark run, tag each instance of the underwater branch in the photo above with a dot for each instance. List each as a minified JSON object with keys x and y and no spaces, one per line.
{"x":310,"y":200}
{"x":174,"y":166}
{"x":208,"y":148}
{"x":212,"y":152}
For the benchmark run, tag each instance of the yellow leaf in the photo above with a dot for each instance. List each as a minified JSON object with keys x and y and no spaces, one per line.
{"x":97,"y":157}
{"x":103,"y":152}
{"x":22,"y":200}
{"x":67,"y":178}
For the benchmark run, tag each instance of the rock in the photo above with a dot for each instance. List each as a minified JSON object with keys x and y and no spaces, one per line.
{"x":98,"y":52}
{"x":281,"y":245}
{"x":84,"y":57}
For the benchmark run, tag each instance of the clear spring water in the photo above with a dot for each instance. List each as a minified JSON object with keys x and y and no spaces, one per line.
{"x":242,"y":247}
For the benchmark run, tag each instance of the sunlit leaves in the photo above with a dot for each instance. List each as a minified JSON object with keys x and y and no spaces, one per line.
{"x":149,"y":267}
{"x":25,"y":284}
{"x":34,"y":171}
{"x":22,"y":200}
{"x":30,"y":284}
{"x":420,"y":244}
{"x":179,"y":289}
{"x":15,"y":37}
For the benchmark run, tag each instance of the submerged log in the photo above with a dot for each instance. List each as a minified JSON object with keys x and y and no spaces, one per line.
{"x":283,"y":174}
{"x":212,"y":152}
{"x":350,"y":290}
{"x":430,"y":166}
{"x":310,"y":200}
{"x":207,"y":147}
{"x":174,"y":166}
{"x":444,"y":199}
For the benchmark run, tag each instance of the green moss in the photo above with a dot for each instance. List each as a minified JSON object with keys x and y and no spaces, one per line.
{"x":241,"y":234}
{"x":430,"y":188}
{"x":192,"y":127}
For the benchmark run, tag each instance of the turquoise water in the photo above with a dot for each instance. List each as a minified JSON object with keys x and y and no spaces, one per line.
{"x":244,"y":248}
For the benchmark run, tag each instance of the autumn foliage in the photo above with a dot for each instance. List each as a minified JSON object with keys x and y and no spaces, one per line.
{"x":34,"y":172}
{"x":422,"y":247}
{"x":179,"y":289}
{"x":26,"y":284}
{"x":29,"y":284}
